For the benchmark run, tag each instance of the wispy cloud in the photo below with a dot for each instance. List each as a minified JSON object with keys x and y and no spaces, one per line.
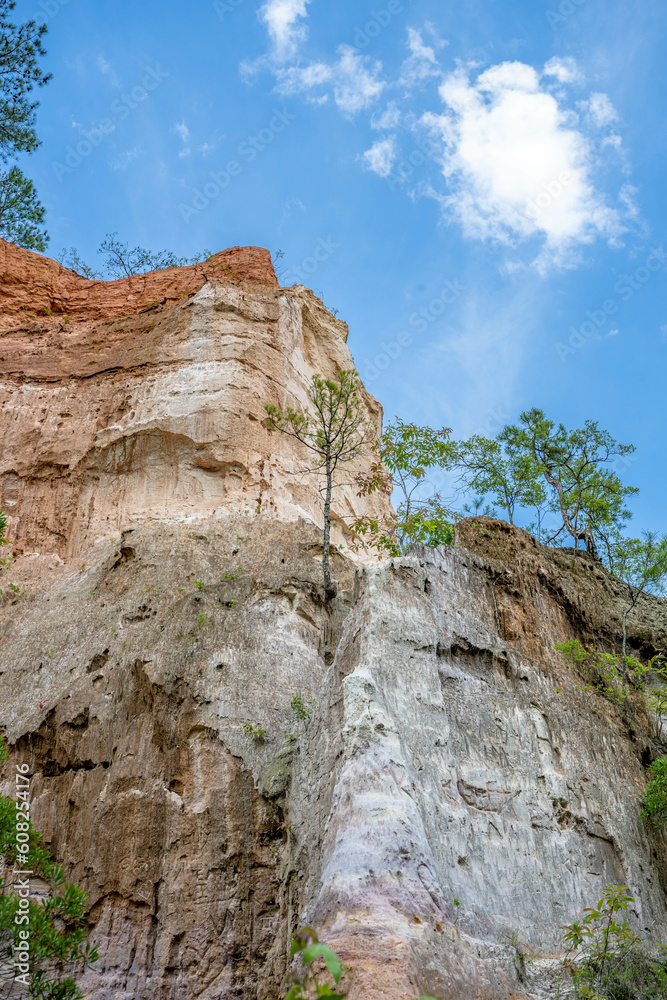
{"x":106,"y":69}
{"x":422,"y":62}
{"x":354,"y":79}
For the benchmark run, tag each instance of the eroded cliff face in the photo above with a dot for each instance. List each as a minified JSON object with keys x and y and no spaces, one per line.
{"x":453,"y":786}
{"x":144,"y":398}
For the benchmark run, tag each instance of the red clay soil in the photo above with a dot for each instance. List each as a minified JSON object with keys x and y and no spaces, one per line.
{"x":32,"y":285}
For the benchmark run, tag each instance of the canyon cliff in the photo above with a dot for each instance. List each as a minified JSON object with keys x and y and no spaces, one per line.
{"x":454,"y":790}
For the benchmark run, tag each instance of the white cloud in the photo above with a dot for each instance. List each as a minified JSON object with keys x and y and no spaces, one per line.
{"x":515,"y":166}
{"x":380,"y":157}
{"x":181,"y":130}
{"x":600,"y":110}
{"x":354,"y":79}
{"x":282,"y":19}
{"x":106,"y":69}
{"x":422,"y":62}
{"x":357,"y":84}
{"x":122,"y":161}
{"x":389,"y":119}
{"x":564,"y":70}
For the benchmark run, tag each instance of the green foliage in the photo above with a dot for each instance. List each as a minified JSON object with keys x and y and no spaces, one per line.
{"x":258,"y":733}
{"x":21,"y":213}
{"x":655,"y":797}
{"x":200,"y":585}
{"x":301,"y":709}
{"x":606,"y":959}
{"x":57,"y":924}
{"x":511,"y":478}
{"x":337,"y":434}
{"x":589,"y":496}
{"x":202,"y":620}
{"x":3,"y":528}
{"x":304,"y":983}
{"x":403,"y":459}
{"x":21,"y":46}
{"x":641,"y":565}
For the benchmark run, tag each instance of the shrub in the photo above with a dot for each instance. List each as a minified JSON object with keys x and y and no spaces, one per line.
{"x":607,"y":960}
{"x":655,"y":797}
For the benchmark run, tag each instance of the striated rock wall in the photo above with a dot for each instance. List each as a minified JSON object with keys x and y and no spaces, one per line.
{"x":454,"y":789}
{"x":158,"y":410}
{"x":450,"y":757}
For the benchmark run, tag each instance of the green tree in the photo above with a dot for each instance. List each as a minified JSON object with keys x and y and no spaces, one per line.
{"x":589,"y":496}
{"x":640,"y":565}
{"x":337,"y":434}
{"x":511,"y":479}
{"x":56,"y":925}
{"x":21,"y":47}
{"x":404,"y":457}
{"x":21,"y":213}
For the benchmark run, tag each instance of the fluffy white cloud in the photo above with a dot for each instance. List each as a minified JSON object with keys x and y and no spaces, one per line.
{"x":381,"y":156}
{"x":354,"y":79}
{"x":564,"y":70}
{"x":282,"y":19}
{"x":515,"y":165}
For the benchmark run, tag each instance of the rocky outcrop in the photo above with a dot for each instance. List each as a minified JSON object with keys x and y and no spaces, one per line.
{"x":454,"y":787}
{"x":158,"y":410}
{"x":454,"y":797}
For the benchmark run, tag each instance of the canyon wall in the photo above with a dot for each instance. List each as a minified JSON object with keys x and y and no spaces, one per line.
{"x":144,"y":398}
{"x":454,"y":790}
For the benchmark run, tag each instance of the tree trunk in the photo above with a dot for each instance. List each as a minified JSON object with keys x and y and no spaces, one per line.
{"x":329,"y":587}
{"x":625,"y":645}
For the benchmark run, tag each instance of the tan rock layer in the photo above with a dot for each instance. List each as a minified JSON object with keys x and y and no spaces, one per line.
{"x":159,"y":408}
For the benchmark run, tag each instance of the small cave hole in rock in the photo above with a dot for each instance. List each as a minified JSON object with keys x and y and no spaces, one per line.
{"x":176,"y":786}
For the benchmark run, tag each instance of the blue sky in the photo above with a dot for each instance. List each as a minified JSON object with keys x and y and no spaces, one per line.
{"x":477,"y":188}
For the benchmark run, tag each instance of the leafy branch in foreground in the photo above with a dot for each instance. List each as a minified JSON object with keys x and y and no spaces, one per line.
{"x":403,"y":459}
{"x":56,"y":925}
{"x":337,"y":434}
{"x":305,"y":984}
{"x":606,"y":959}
